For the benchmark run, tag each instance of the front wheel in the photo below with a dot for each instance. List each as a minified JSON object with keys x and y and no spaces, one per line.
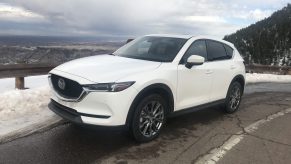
{"x":148,"y":118}
{"x":233,"y":97}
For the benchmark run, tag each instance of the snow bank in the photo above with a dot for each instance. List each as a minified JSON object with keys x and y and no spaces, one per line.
{"x":15,"y":103}
{"x":24,"y":111}
{"x":260,"y":78}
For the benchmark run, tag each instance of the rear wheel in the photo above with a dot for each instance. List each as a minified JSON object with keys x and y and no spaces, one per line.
{"x":148,"y":118}
{"x":233,"y":97}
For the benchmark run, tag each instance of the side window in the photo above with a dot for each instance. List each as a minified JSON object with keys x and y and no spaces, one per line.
{"x":229,"y":51}
{"x":197,"y":48}
{"x":215,"y":51}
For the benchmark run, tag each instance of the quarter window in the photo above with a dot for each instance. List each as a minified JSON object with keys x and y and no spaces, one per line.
{"x":197,"y":48}
{"x":229,"y":51}
{"x":215,"y":51}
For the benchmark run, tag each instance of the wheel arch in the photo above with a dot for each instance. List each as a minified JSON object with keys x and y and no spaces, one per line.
{"x":239,"y":78}
{"x":158,"y":88}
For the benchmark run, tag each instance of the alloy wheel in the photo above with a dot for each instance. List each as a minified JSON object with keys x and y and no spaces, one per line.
{"x":151,"y":118}
{"x":235,"y":97}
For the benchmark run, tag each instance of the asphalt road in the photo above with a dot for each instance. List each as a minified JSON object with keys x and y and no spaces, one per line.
{"x":189,"y":138}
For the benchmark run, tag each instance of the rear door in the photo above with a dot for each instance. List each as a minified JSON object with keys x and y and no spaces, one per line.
{"x":221,"y":63}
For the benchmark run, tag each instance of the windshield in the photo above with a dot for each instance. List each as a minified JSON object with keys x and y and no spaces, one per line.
{"x":153,"y":48}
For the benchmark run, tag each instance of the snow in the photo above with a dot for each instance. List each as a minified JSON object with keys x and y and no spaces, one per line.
{"x":14,"y":104}
{"x":30,"y":82}
{"x":261,"y":78}
{"x":23,"y":112}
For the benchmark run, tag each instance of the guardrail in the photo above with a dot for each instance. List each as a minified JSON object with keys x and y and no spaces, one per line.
{"x":256,"y":68}
{"x":20,"y":71}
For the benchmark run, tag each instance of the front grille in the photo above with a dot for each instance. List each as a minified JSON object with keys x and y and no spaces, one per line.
{"x":65,"y":87}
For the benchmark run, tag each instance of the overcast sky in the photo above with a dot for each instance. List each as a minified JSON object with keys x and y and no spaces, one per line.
{"x":131,"y":17}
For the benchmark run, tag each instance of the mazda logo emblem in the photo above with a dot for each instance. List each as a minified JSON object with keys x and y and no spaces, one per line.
{"x":61,"y":83}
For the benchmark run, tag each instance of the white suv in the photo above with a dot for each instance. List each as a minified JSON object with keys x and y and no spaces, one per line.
{"x":146,"y":81}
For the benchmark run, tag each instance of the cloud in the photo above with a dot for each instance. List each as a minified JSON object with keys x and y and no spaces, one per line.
{"x":258,"y":14}
{"x":13,"y":13}
{"x":205,"y":18}
{"x":133,"y":17}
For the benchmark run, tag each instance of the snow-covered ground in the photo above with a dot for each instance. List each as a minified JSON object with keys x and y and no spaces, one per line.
{"x":30,"y":82}
{"x":25,"y":111}
{"x":261,"y":78}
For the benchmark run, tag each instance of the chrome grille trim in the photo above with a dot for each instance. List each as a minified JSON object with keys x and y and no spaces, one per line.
{"x":81,"y":97}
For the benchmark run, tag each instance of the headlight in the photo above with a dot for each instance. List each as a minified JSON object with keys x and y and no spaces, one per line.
{"x":108,"y":87}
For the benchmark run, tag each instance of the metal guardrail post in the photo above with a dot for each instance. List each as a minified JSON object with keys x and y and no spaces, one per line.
{"x":19,"y":71}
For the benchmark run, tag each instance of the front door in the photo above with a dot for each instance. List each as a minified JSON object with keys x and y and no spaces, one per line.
{"x":194,"y":84}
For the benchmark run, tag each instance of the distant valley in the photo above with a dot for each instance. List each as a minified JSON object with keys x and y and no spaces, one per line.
{"x":30,"y":50}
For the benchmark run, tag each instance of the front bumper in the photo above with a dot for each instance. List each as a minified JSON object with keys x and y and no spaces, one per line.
{"x":96,"y":108}
{"x":70,"y":114}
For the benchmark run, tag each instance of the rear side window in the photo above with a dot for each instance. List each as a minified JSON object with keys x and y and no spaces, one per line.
{"x":229,"y":51}
{"x":196,"y":48}
{"x":215,"y":51}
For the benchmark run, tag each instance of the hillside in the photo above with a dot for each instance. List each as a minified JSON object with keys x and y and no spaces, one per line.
{"x":53,"y":54}
{"x":267,"y":41}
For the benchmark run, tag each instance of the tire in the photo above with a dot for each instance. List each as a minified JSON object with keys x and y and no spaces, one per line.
{"x":148,"y":118}
{"x":233,"y":97}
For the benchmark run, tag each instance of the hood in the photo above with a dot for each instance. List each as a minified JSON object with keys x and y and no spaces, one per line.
{"x":105,"y":68}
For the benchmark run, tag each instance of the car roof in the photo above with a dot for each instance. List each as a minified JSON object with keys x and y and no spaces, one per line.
{"x":172,"y":36}
{"x":191,"y":36}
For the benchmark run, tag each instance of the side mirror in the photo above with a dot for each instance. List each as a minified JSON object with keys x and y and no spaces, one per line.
{"x":194,"y":60}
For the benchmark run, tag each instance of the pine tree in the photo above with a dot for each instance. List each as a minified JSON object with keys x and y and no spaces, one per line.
{"x":267,"y":41}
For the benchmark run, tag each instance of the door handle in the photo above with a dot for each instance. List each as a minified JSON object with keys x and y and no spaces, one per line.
{"x":232,"y":67}
{"x":209,"y":71}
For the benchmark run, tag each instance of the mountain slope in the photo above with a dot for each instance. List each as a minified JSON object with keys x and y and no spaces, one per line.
{"x":267,"y":41}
